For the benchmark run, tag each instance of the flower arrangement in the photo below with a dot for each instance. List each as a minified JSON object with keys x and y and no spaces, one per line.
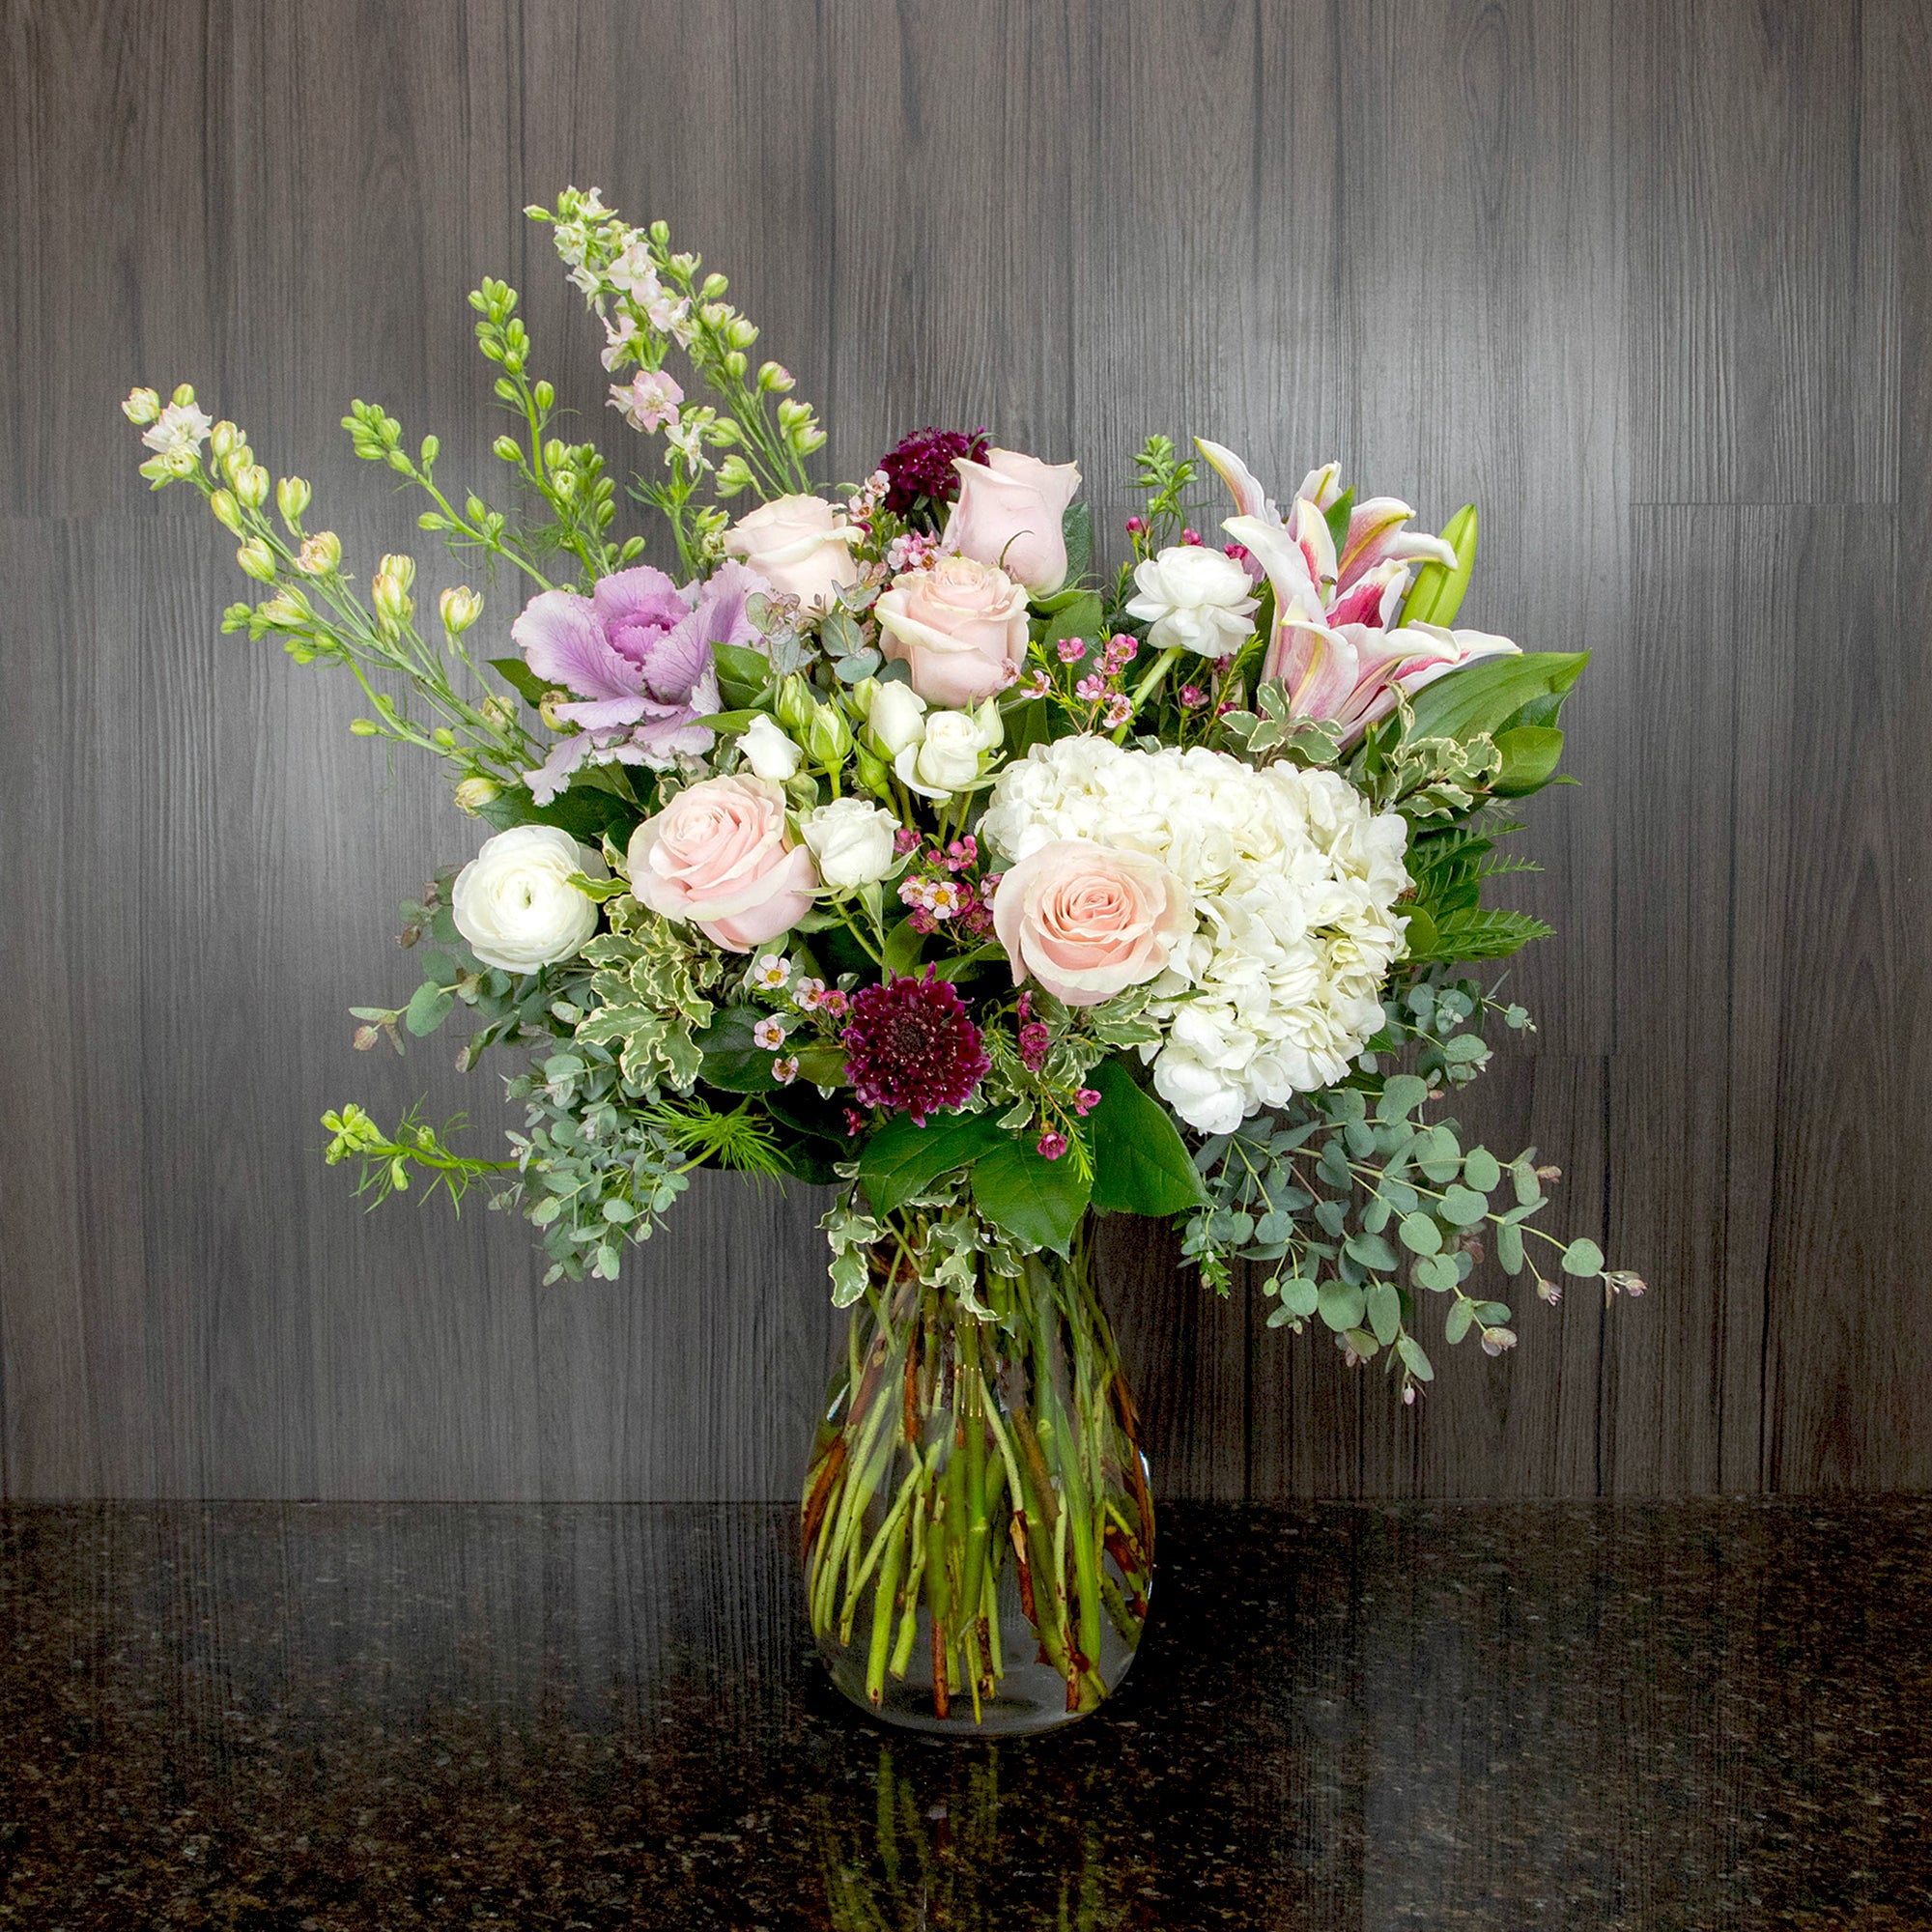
{"x":889,"y":843}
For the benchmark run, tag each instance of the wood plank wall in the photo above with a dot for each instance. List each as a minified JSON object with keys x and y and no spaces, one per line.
{"x":1649,"y":280}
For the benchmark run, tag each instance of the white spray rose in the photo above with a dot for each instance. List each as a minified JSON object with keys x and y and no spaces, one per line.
{"x":947,"y":758}
{"x":896,"y":716}
{"x":513,"y":902}
{"x":1198,"y":598}
{"x":766,"y":748}
{"x":850,"y":841}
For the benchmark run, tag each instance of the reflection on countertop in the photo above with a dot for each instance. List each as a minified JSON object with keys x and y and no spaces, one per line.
{"x":348,"y":1718}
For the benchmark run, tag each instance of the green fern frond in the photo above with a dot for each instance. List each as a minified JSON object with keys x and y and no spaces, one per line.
{"x":736,"y":1140}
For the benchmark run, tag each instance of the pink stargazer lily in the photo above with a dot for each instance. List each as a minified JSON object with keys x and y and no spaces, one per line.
{"x":1338,"y":645}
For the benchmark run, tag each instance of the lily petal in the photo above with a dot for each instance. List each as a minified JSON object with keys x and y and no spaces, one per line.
{"x":1243,"y":485}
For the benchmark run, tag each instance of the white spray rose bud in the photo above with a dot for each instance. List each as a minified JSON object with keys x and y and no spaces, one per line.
{"x":513,"y":902}
{"x":851,"y":842}
{"x":768,"y":751}
{"x":1195,"y":597}
{"x":459,"y":607}
{"x":827,"y":737}
{"x":947,"y":759}
{"x":896,"y":718}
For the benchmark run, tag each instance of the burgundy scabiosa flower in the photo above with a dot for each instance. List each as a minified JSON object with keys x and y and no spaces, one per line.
{"x":921,"y":466}
{"x":910,"y":1047}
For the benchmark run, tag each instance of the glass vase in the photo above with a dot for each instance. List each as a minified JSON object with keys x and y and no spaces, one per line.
{"x":976,"y":1527}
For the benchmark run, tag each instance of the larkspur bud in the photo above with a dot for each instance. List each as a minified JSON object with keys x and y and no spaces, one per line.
{"x":257,"y":560}
{"x":443,"y":738}
{"x":365,"y":727}
{"x":776,"y":379}
{"x":252,"y":486}
{"x":545,"y":395}
{"x":714,"y":287}
{"x":432,"y":448}
{"x":320,"y":553}
{"x":292,"y":496}
{"x":227,"y":511}
{"x":459,"y":607}
{"x":142,"y":407}
{"x":473,"y":794}
{"x":734,"y":474}
{"x":183,"y":395}
{"x":735,"y":366}
{"x":714,"y":315}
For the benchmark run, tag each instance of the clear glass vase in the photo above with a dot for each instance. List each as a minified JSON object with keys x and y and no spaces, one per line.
{"x":978,"y":1531}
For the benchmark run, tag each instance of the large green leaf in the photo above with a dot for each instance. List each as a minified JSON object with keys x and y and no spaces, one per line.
{"x":1084,"y":617}
{"x":1530,"y":753}
{"x":1040,"y":1200}
{"x":1486,"y":696}
{"x":733,"y":1060}
{"x":1141,"y":1164}
{"x":901,"y":1160}
{"x":742,"y":674}
{"x":521,"y":680}
{"x":586,"y":812}
{"x":1076,"y":527}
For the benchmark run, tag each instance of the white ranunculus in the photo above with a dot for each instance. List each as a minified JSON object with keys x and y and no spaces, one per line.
{"x":896,"y":718}
{"x":851,"y":842}
{"x":1198,"y":598}
{"x":766,"y":748}
{"x":513,"y":902}
{"x":947,"y":758}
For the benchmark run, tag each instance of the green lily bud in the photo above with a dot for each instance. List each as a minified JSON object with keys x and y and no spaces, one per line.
{"x":257,"y":560}
{"x":227,"y":511}
{"x":459,"y":607}
{"x":141,"y":408}
{"x":292,"y":496}
{"x":796,"y":706}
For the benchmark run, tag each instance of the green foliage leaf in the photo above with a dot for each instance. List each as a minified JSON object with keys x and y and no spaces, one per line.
{"x":1402,"y":1094}
{"x":1530,"y":754}
{"x":1384,"y":1309}
{"x":1076,"y":530}
{"x":901,"y":949}
{"x":1420,"y":1235}
{"x":733,"y":1060}
{"x":586,"y":812}
{"x":1341,"y":1306}
{"x":1141,"y":1165}
{"x":1414,"y":1359}
{"x":1458,"y":1323}
{"x":521,"y":680}
{"x":1583,"y":1256}
{"x":428,"y":1008}
{"x":1482,"y":697}
{"x":1481,"y":1170}
{"x":901,"y":1160}
{"x":743,"y":673}
{"x":1040,"y":1201}
{"x":1509,"y":1248}
{"x":1084,"y":617}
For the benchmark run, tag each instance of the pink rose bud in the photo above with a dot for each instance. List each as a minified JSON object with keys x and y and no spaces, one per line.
{"x":1009,"y":514}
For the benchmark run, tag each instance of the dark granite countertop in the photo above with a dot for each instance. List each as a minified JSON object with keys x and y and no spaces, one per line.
{"x":348,"y":1718}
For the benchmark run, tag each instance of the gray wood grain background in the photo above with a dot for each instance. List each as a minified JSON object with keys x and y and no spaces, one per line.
{"x":1653,"y":282}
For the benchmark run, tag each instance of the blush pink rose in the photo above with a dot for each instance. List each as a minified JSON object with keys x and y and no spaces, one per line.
{"x":799,"y":545}
{"x":719,"y":855}
{"x":956,"y":627}
{"x":1087,"y":920}
{"x":1009,"y":512}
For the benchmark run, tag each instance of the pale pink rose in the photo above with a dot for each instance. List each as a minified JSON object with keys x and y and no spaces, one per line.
{"x":1087,"y":920}
{"x":1009,"y":512}
{"x":799,"y":545}
{"x":719,"y":855}
{"x":957,"y":626}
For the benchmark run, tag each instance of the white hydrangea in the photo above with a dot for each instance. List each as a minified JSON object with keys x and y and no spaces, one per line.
{"x":1293,"y":880}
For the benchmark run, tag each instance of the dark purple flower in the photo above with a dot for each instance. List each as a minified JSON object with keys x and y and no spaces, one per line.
{"x":638,"y":653}
{"x":910,"y":1047}
{"x":921,"y":466}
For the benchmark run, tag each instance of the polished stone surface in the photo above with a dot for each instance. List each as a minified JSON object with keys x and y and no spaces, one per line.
{"x":1711,"y":1715}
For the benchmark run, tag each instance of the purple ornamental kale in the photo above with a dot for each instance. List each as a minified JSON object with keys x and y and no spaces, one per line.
{"x":638,"y":653}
